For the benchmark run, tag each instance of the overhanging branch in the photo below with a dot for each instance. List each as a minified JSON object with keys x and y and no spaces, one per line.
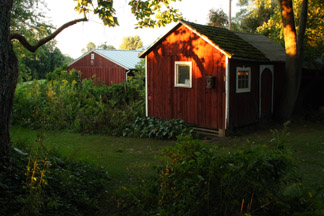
{"x":33,"y":48}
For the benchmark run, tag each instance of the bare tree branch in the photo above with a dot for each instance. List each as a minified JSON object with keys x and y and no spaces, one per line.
{"x":33,"y":48}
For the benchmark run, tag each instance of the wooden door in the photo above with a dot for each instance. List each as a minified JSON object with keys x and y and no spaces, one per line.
{"x":266,"y":93}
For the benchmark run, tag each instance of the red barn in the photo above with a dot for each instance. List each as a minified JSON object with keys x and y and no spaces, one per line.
{"x":109,"y":66}
{"x":213,"y":77}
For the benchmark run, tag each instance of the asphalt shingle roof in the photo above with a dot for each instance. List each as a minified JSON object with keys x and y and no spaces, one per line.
{"x":234,"y":44}
{"x":228,"y":41}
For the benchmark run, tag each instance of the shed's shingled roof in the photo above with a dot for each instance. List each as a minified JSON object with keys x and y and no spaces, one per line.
{"x":235,"y":44}
{"x":228,"y":41}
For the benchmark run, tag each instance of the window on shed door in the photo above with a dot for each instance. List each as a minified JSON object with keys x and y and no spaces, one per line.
{"x":183,"y":74}
{"x":243,"y":79}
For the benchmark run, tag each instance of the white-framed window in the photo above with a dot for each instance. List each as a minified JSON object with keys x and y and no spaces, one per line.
{"x":243,"y":79}
{"x":183,"y":74}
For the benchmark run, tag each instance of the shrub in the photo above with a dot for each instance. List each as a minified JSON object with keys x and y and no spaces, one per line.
{"x":64,"y":102}
{"x":157,"y":128}
{"x":199,"y":179}
{"x":202,"y":180}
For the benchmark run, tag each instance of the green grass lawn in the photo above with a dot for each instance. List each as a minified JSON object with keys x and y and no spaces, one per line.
{"x":307,"y":145}
{"x":119,"y":154}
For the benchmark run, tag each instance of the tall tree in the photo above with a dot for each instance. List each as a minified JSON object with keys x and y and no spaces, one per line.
{"x":106,"y":47}
{"x":294,"y":46}
{"x":288,"y":17}
{"x":252,"y":14}
{"x":131,"y":43}
{"x":314,"y":33}
{"x":91,"y":46}
{"x":36,"y":65}
{"x":218,"y":18}
{"x":148,"y":13}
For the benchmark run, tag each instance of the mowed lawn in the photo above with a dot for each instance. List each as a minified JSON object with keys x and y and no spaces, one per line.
{"x":120,"y":155}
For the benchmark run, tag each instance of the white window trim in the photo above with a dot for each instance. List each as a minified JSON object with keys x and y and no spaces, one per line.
{"x":92,"y":56}
{"x":262,"y":68}
{"x":243,"y":90}
{"x":176,"y":84}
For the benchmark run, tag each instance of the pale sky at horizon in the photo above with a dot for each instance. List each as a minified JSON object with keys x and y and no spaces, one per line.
{"x":73,"y":39}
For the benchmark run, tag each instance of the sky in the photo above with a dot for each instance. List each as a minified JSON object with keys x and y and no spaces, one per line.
{"x":73,"y":39}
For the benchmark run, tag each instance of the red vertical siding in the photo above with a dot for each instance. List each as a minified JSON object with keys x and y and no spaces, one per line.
{"x":279,"y":71}
{"x":102,"y":69}
{"x":266,"y":93}
{"x":197,"y":105}
{"x":244,"y":107}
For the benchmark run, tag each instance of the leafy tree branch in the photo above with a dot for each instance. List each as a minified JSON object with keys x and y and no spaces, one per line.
{"x":33,"y":48}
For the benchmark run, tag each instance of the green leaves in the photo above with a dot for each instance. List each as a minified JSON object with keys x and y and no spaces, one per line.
{"x":131,"y":43}
{"x":103,"y":8}
{"x":64,"y":102}
{"x":157,"y":128}
{"x":154,"y":13}
{"x":201,"y":180}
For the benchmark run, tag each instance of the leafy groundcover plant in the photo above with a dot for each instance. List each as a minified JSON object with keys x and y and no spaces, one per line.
{"x":157,"y":128}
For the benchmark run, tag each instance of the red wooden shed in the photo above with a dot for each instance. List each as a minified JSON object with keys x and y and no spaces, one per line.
{"x":213,"y":77}
{"x":109,"y":66}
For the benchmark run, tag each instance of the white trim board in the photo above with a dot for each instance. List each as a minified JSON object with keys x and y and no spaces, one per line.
{"x":243,"y":90}
{"x":186,"y":63}
{"x":262,"y":68}
{"x":146,"y":91}
{"x":227,"y":92}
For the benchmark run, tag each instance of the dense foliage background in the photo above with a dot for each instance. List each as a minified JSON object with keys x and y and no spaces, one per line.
{"x":63,"y":101}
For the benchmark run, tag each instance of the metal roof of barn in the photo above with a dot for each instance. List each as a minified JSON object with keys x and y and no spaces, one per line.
{"x":124,"y":58}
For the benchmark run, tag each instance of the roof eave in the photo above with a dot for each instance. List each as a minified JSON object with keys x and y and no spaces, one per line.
{"x":117,"y":63}
{"x":77,"y":59}
{"x":251,"y":59}
{"x":147,"y":50}
{"x":204,"y":37}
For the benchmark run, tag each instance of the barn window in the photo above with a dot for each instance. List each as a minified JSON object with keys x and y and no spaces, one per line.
{"x":183,"y":74}
{"x":243,"y":79}
{"x":92,"y":59}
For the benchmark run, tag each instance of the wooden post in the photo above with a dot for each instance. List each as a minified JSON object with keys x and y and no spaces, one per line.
{"x":230,"y":14}
{"x":221,"y":132}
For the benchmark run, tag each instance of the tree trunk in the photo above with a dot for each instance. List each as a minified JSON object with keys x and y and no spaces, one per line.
{"x":300,"y":39}
{"x":291,"y":88}
{"x":8,"y":76}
